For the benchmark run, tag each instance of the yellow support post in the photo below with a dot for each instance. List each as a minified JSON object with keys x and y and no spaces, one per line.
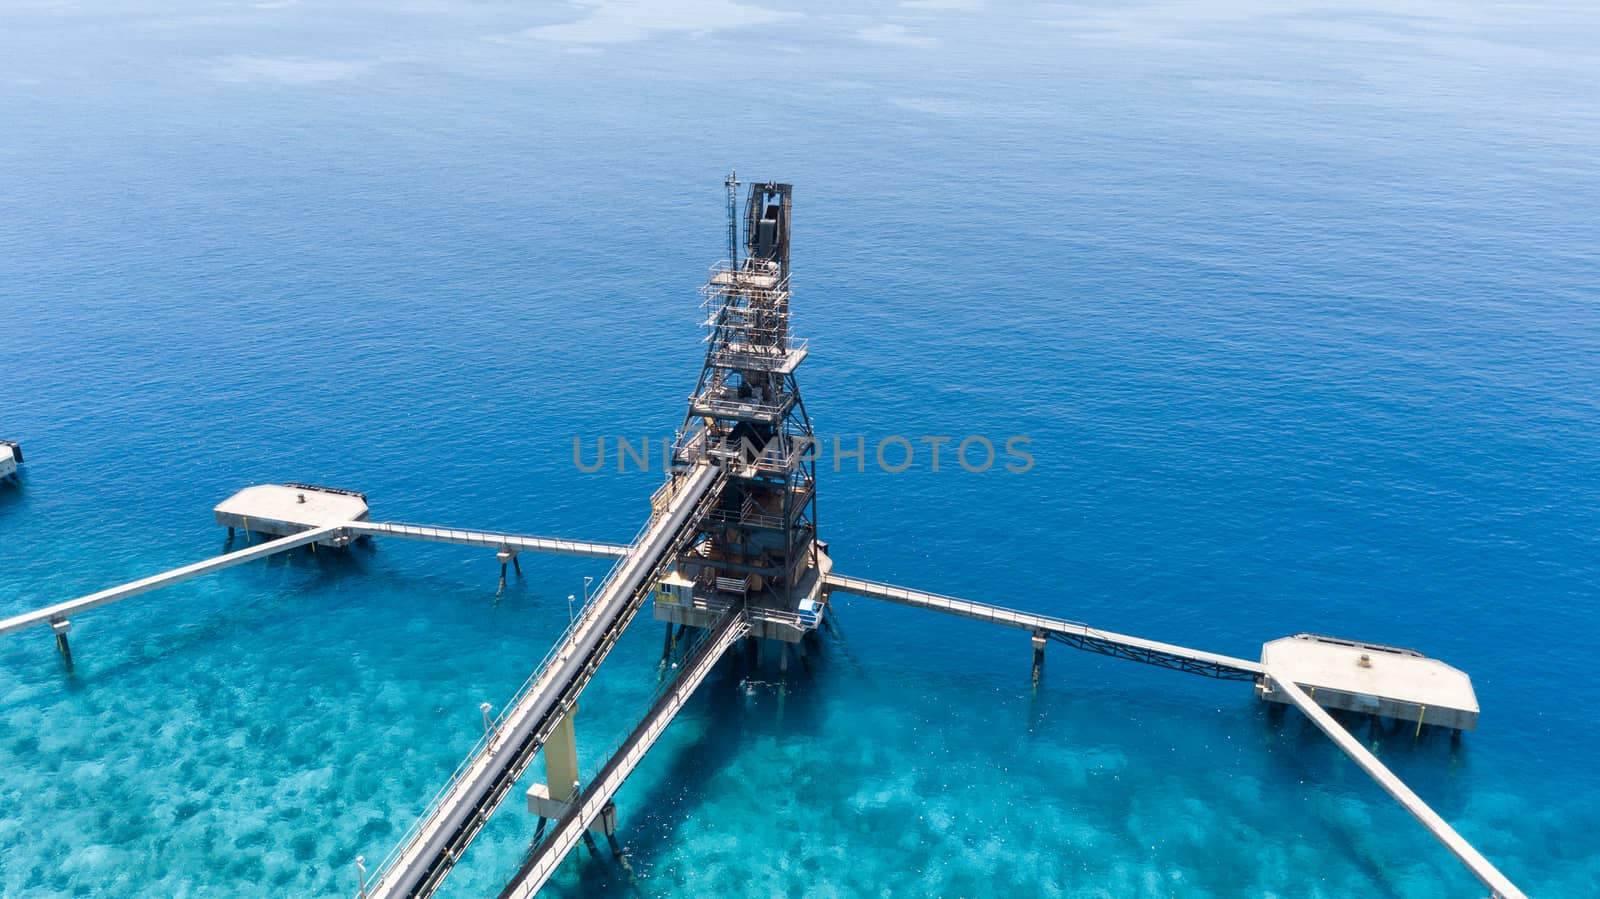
{"x":561,"y":759}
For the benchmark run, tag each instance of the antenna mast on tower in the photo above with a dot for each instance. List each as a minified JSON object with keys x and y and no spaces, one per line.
{"x":732,"y":183}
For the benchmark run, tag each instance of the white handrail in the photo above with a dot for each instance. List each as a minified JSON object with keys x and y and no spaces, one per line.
{"x":614,"y":771}
{"x":435,"y":805}
{"x":514,"y":722}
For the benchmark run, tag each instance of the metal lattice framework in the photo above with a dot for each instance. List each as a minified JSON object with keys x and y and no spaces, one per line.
{"x":1158,"y":658}
{"x":747,"y":412}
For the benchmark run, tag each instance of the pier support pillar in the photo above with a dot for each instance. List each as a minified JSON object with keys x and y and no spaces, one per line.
{"x":588,"y":840}
{"x":783,"y":658}
{"x":666,"y":645}
{"x":1039,"y":639}
{"x":63,"y":646}
{"x":505,"y":556}
{"x":561,"y":759}
{"x":552,"y":799}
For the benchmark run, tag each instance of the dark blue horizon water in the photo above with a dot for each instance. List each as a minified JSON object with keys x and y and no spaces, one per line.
{"x":1295,"y":302}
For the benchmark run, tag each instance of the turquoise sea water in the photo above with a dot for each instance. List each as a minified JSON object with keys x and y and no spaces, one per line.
{"x":1296,"y":303}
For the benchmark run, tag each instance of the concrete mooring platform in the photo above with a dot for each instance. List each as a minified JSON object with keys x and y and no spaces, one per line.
{"x":1372,"y":679}
{"x":283,"y":509}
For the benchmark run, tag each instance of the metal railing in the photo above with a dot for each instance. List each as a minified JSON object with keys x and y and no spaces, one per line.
{"x":724,"y":275}
{"x":759,"y":358}
{"x":624,"y":756}
{"x":484,"y":745}
{"x":785,"y":454}
{"x":65,"y":610}
{"x":966,"y":608}
{"x":1499,"y":885}
{"x":722,"y":402}
{"x":1073,"y":633}
{"x":792,"y":619}
{"x":754,"y":519}
{"x":460,"y":536}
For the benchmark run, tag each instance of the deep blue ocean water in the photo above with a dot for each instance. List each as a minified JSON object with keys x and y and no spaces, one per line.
{"x":1296,"y":302}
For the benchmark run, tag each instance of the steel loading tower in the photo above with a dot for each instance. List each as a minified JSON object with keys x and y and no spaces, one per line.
{"x":758,"y":545}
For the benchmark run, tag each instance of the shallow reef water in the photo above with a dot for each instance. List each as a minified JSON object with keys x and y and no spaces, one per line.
{"x":1295,"y":307}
